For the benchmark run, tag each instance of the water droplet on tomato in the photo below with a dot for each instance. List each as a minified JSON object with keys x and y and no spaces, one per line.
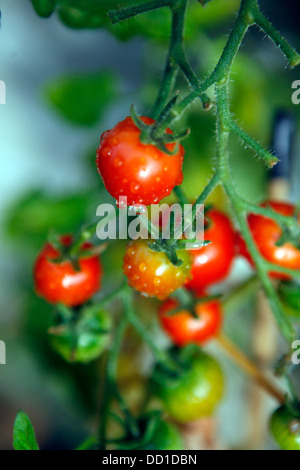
{"x":157,"y":281}
{"x":106,"y":152}
{"x":134,"y":187}
{"x":142,"y":267}
{"x":103,"y":136}
{"x":118,"y":162}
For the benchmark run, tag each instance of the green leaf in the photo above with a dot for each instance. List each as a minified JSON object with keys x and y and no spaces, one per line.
{"x":44,"y":8}
{"x":23,"y":435}
{"x":81,"y":99}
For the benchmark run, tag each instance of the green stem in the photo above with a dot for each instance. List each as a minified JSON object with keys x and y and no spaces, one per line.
{"x":182,"y":198}
{"x":160,"y":355}
{"x":268,"y":157}
{"x":290,"y":53}
{"x":120,"y":15}
{"x":240,"y":214}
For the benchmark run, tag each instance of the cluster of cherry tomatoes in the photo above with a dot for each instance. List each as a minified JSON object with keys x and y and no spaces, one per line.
{"x":145,"y":175}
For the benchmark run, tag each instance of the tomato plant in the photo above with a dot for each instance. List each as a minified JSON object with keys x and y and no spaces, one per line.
{"x":153,"y":273}
{"x":141,"y":160}
{"x":212,"y":263}
{"x":184,"y":328}
{"x":285,"y":428}
{"x":197,"y":389}
{"x":59,"y":281}
{"x":268,"y":237}
{"x":141,"y":172}
{"x":83,"y":338}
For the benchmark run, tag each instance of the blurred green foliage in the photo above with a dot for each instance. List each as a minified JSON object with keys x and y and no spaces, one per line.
{"x":82,"y":99}
{"x":90,"y":14}
{"x":32,"y":216}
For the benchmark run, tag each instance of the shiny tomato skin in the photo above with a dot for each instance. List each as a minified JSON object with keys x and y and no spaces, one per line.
{"x":266,"y":232}
{"x":142,"y":173}
{"x":184,"y":329}
{"x":60,"y":283}
{"x":285,"y":429}
{"x":196,"y":393}
{"x":151,"y":273}
{"x":212,"y":263}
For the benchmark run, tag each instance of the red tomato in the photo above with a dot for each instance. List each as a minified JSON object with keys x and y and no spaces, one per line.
{"x":151,"y":272}
{"x":60,"y":283}
{"x":183,"y":328}
{"x":212,"y":263}
{"x":142,"y":173}
{"x":266,"y":232}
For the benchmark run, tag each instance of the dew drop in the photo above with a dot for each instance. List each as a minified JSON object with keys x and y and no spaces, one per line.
{"x":106,"y":152}
{"x":166,"y":168}
{"x":157,"y":281}
{"x":103,"y":136}
{"x":142,"y":267}
{"x":118,"y":162}
{"x":158,"y":179}
{"x":134,"y":187}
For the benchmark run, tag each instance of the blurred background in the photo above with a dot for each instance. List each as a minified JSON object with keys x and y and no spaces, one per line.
{"x":68,"y":79}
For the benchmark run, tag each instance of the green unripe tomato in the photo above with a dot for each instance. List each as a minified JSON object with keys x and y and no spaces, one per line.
{"x":285,"y":428}
{"x":44,"y":8}
{"x":196,"y":392}
{"x":85,"y":340}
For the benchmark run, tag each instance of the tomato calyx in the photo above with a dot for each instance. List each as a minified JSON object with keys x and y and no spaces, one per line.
{"x":143,"y":433}
{"x":164,"y":375}
{"x":80,"y":334}
{"x":170,"y":247}
{"x":151,"y":135}
{"x":188,"y":302}
{"x":72,"y":249}
{"x":152,"y":432}
{"x":289,"y":236}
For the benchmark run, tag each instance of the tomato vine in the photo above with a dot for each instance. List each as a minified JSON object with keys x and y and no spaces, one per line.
{"x":168,"y":107}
